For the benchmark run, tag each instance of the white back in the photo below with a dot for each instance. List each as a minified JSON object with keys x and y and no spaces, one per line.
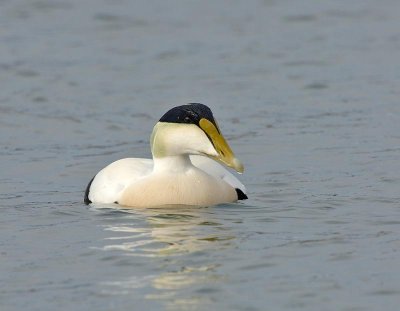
{"x":112,"y":180}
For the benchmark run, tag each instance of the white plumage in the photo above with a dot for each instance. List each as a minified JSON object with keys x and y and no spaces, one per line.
{"x":110,"y":183}
{"x":183,"y":170}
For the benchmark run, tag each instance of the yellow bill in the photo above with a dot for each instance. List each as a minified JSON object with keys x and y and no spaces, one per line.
{"x":225,"y":153}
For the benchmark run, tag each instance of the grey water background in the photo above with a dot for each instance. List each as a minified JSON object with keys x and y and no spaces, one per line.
{"x":306,"y":92}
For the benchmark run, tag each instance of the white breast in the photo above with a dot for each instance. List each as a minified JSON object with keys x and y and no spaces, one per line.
{"x":193,"y":187}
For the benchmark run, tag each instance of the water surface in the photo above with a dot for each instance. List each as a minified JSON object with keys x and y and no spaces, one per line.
{"x":307,"y":93}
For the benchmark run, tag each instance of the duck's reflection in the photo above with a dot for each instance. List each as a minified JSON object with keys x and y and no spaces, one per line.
{"x":175,"y":245}
{"x":167,"y":232}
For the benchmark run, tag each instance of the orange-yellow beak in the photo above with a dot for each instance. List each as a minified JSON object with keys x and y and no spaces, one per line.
{"x":225,"y":153}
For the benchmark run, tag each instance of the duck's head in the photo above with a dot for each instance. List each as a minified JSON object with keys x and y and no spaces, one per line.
{"x":192,"y":129}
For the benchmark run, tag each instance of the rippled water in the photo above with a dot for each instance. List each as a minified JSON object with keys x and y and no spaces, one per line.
{"x":308,"y":95}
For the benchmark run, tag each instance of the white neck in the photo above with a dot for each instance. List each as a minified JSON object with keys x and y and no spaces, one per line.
{"x":172,"y":164}
{"x":175,"y":139}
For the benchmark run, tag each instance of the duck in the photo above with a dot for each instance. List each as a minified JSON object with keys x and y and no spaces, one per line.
{"x":189,"y":166}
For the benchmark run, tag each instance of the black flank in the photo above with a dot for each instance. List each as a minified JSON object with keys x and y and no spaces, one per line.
{"x":241,"y":195}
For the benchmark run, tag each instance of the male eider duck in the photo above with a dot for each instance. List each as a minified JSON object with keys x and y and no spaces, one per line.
{"x":185,"y":143}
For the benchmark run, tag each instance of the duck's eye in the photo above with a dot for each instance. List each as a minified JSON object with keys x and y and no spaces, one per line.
{"x":187,"y":120}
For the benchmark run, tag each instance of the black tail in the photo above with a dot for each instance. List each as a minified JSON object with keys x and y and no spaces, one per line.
{"x":86,"y":199}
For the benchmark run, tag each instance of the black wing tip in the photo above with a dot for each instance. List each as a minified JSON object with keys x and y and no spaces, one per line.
{"x":241,"y":195}
{"x":86,"y":199}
